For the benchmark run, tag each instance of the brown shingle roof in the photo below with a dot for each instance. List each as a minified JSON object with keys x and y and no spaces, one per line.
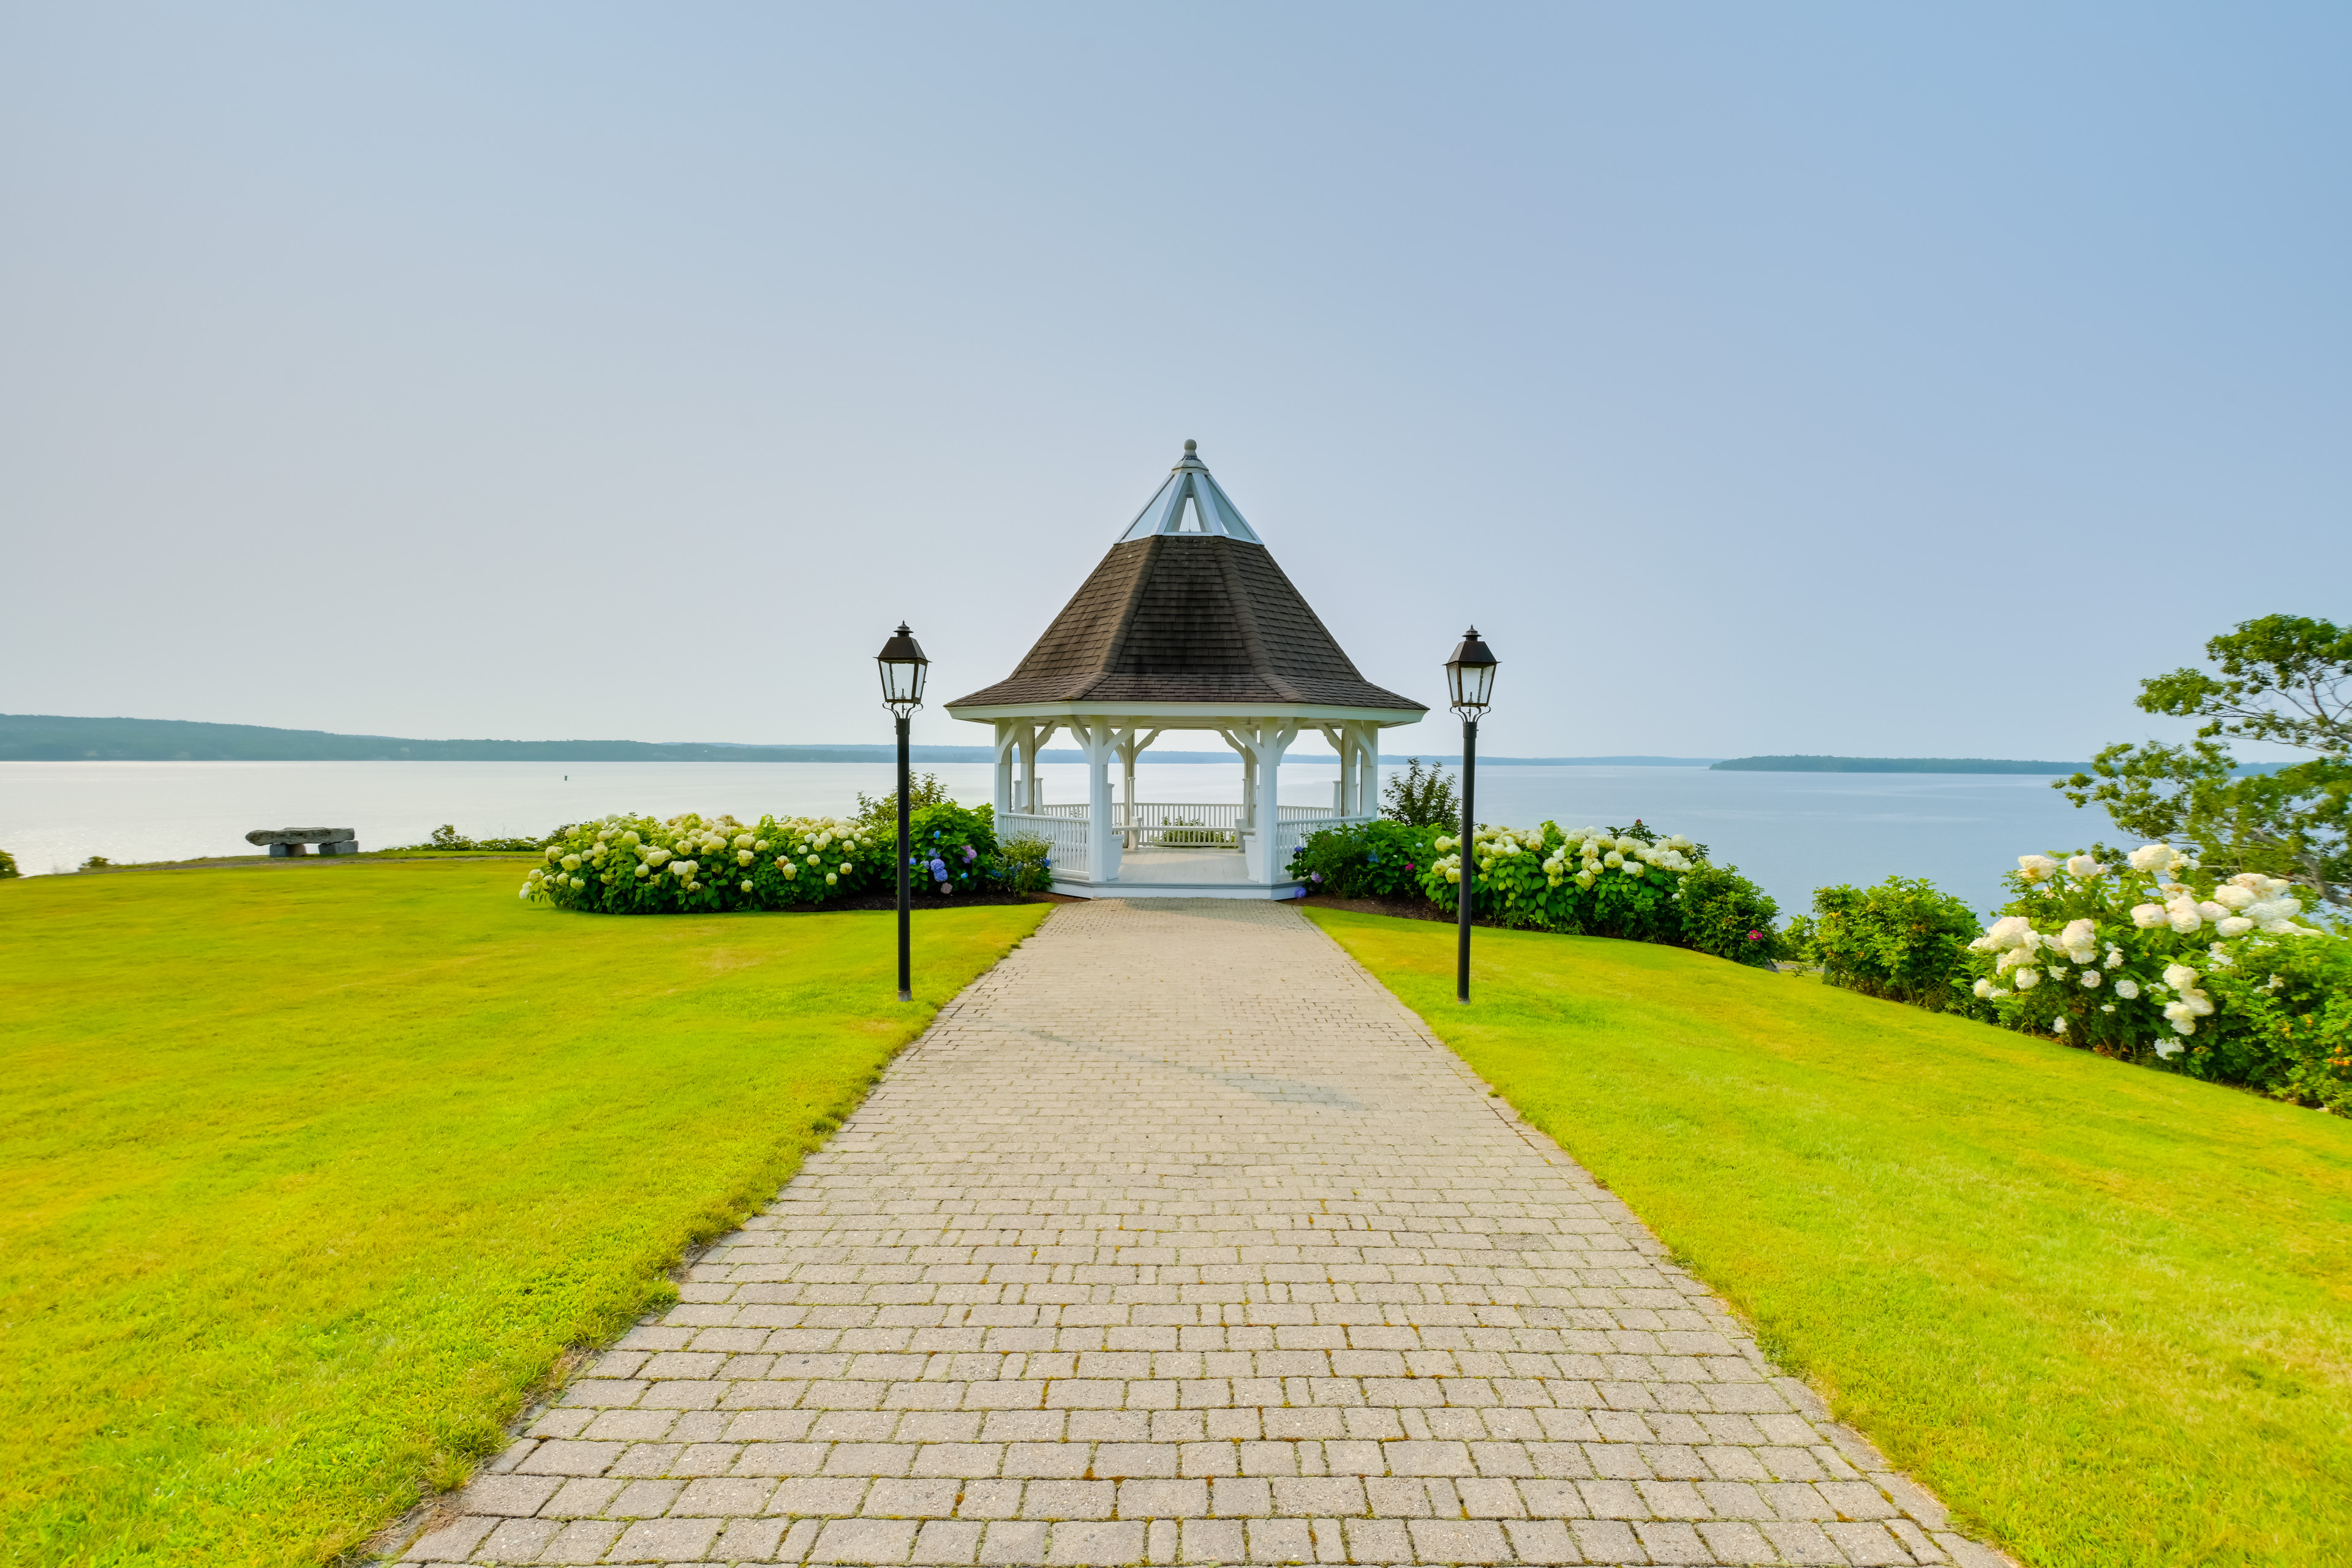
{"x":1178,"y":618}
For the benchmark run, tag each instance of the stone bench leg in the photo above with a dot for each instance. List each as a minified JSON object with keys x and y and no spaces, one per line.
{"x":277,"y":850}
{"x":339,"y":847}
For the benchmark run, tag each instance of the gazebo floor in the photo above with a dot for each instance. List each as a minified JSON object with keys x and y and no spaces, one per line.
{"x":1165,"y":871}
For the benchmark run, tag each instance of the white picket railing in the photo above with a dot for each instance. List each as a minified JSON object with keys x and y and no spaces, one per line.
{"x":1174,"y":825}
{"x":1180,"y":825}
{"x":1067,"y":834}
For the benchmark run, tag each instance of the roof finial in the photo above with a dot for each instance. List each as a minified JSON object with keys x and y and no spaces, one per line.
{"x":1192,"y":445}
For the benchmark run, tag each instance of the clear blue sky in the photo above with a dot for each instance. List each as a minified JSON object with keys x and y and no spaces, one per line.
{"x":1847,"y":378}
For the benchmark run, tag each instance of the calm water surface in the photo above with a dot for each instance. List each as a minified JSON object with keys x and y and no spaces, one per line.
{"x":1791,"y":832}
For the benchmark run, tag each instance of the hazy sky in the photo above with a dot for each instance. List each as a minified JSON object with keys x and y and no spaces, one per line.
{"x":1850,"y":378}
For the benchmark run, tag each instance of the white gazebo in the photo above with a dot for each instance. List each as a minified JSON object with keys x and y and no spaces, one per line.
{"x":1187,"y":624}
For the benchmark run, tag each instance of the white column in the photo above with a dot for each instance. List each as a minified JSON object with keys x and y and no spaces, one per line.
{"x":1241,"y":737}
{"x":1002,"y":794}
{"x":1262,"y":746}
{"x":1101,"y":743}
{"x":1129,"y":743}
{"x":1338,"y":737}
{"x":1274,"y":854}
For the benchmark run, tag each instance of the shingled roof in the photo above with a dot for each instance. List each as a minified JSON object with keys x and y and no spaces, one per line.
{"x":1189,"y":607}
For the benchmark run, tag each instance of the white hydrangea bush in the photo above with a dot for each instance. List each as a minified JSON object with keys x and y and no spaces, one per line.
{"x":641,"y":865}
{"x":2120,"y":958}
{"x":1583,"y":855}
{"x":1631,"y":883}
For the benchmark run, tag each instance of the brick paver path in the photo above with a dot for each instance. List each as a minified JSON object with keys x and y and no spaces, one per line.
{"x":1178,"y":1239}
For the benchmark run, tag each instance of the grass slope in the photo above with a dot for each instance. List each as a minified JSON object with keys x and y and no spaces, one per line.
{"x":2105,"y":1312}
{"x":307,"y":1176}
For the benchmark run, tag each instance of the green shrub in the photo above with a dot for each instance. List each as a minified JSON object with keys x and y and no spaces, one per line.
{"x":1624,"y":882}
{"x":1371,"y":860}
{"x":446,"y":836}
{"x":1724,"y":913}
{"x":7,"y":866}
{"x":1798,"y":941}
{"x":1027,"y":863}
{"x":1901,"y":940}
{"x":2291,"y":1003}
{"x":954,"y":849}
{"x":1418,"y":799}
{"x":97,"y":863}
{"x":1191,"y":830}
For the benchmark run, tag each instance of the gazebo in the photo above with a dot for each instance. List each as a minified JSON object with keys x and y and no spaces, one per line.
{"x":1187,"y":624}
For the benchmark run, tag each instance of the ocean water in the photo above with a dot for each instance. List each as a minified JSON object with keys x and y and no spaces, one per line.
{"x":1791,"y":832}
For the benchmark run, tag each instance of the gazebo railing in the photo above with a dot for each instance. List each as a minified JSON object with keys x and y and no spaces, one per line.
{"x":1066,"y":834}
{"x":1180,"y":825}
{"x":1174,"y":825}
{"x":1295,"y":824}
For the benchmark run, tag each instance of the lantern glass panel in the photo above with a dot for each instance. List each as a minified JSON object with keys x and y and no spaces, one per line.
{"x":902,"y":666}
{"x":1474,"y":684}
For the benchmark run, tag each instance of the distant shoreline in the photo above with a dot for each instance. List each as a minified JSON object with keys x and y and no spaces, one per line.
{"x":52,"y":738}
{"x":1810,"y":764}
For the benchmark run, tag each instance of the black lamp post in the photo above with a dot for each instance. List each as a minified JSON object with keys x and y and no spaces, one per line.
{"x":1470,"y":683}
{"x":902,"y":664}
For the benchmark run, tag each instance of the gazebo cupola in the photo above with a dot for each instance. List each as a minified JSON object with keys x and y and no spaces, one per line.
{"x":1187,"y":624}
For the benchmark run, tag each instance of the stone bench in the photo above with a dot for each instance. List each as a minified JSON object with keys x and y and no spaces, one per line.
{"x":298,"y":841}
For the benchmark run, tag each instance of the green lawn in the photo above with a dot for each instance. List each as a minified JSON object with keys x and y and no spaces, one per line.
{"x":2105,"y":1312}
{"x":308,"y":1174}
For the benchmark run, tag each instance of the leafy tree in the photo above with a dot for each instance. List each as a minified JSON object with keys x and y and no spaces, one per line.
{"x":2284,"y":679}
{"x":1421,"y":799}
{"x":922,"y":790}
